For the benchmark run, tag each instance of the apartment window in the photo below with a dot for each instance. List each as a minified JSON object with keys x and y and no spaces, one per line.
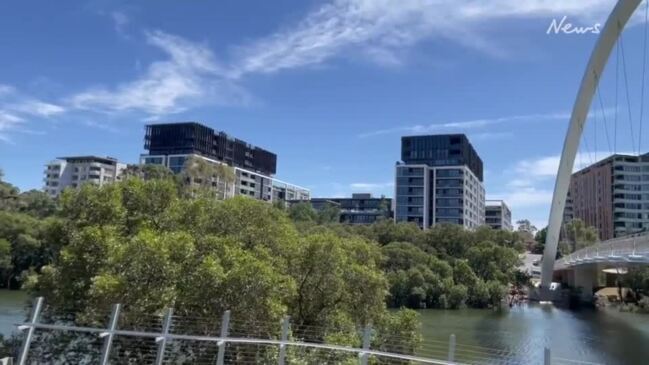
{"x":153,"y":161}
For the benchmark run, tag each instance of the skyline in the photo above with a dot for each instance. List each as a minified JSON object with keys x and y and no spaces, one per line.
{"x":342,"y":80}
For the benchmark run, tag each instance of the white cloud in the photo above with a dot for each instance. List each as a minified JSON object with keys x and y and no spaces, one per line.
{"x":531,"y":170}
{"x":8,"y":122}
{"x":120,"y":21}
{"x":6,"y":90}
{"x":381,"y":29}
{"x":469,"y":124}
{"x":372,"y":186}
{"x":527,"y":187}
{"x":16,"y":109}
{"x":36,"y":107}
{"x":189,"y":77}
{"x":525,"y":197}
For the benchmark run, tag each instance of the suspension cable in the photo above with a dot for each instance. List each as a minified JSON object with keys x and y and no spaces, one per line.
{"x":626,"y":87}
{"x":617,"y":82}
{"x":644,"y":66}
{"x":601,"y":108}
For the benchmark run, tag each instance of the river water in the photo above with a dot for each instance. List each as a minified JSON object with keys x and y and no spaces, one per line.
{"x":511,"y":336}
{"x":12,"y":304}
{"x":519,"y":335}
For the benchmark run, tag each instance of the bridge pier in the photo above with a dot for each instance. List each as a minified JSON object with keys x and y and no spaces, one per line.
{"x":583,"y":277}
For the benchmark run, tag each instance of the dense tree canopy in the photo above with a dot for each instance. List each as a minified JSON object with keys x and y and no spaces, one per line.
{"x":146,"y":245}
{"x":151,"y":242}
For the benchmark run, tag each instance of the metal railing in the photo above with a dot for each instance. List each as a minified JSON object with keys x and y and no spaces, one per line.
{"x":627,"y":250}
{"x":170,"y":339}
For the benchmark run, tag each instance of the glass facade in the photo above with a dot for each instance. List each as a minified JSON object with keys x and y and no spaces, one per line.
{"x":194,"y":138}
{"x":439,"y":181}
{"x":441,"y":150}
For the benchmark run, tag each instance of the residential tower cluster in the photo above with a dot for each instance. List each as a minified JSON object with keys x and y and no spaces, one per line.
{"x":439,"y":178}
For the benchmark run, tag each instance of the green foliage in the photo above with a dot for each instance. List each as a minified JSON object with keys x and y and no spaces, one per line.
{"x":457,"y":296}
{"x":302,"y":212}
{"x":149,"y":172}
{"x":422,"y":274}
{"x":637,"y":279}
{"x":153,"y":241}
{"x":201,"y":177}
{"x":23,"y":246}
{"x":578,"y":235}
{"x":539,"y":239}
{"x":148,"y":246}
{"x":328,"y":214}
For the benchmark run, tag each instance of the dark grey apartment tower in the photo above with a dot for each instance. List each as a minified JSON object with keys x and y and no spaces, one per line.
{"x":193,"y":138}
{"x":441,"y":150}
{"x":439,"y":180}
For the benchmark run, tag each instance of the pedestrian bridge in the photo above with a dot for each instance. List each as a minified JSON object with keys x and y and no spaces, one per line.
{"x":582,"y":268}
{"x":619,"y":252}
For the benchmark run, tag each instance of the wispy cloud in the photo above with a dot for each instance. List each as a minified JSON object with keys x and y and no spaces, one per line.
{"x":377,"y":30}
{"x":8,"y":122}
{"x":372,"y":186}
{"x":36,"y":107}
{"x":382,"y":29}
{"x":528,"y":183}
{"x":16,"y":109}
{"x":120,"y":22}
{"x":547,"y":166}
{"x":467,"y":124}
{"x":190,"y":77}
{"x":6,"y":90}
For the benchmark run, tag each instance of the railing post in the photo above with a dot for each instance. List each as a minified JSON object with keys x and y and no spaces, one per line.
{"x":162,"y":340}
{"x":284,"y":338}
{"x":367,"y":337}
{"x":225,"y":324}
{"x":108,"y":335}
{"x":451,"y":348}
{"x":36,"y":312}
{"x":547,"y":356}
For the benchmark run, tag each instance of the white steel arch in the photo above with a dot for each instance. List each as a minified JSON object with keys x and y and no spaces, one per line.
{"x":598,"y":59}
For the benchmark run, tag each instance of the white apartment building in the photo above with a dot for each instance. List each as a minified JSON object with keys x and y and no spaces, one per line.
{"x":429,"y":195}
{"x":74,"y":171}
{"x":498,"y":215}
{"x":247,"y":183}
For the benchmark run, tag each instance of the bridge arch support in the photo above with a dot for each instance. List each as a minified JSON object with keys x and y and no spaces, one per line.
{"x":598,"y":59}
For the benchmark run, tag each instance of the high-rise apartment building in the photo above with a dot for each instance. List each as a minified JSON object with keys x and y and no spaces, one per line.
{"x":74,"y":171}
{"x":439,"y":180}
{"x":612,"y":195}
{"x":498,"y":215}
{"x":171,"y":144}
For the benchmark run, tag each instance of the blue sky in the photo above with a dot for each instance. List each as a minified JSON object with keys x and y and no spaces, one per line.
{"x":328,"y":86}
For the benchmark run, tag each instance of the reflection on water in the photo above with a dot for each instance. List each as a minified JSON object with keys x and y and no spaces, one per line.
{"x":520,"y":334}
{"x":12,"y":304}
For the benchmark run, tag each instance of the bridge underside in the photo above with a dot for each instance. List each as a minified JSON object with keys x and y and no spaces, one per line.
{"x":589,"y":277}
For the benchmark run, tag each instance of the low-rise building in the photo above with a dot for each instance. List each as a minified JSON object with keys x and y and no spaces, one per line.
{"x":359,"y":209}
{"x":498,"y":215}
{"x":74,"y":171}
